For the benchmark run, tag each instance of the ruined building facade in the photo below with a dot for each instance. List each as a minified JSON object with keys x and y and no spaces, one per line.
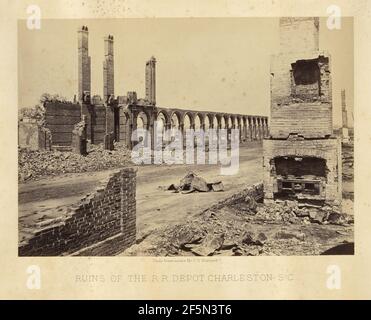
{"x":302,"y":157}
{"x":115,"y":117}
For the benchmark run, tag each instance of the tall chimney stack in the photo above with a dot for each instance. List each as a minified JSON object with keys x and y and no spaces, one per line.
{"x":84,"y":63}
{"x":108,"y":68}
{"x":151,"y":81}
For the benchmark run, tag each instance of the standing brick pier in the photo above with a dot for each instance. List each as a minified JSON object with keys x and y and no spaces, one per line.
{"x":302,"y":157}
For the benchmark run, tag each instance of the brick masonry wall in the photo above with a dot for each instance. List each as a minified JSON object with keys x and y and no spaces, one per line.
{"x":108,"y":68}
{"x":328,"y":149}
{"x":102,"y":223}
{"x":33,"y":136}
{"x":311,"y":120}
{"x":310,"y":117}
{"x":98,"y":123}
{"x":86,"y":111}
{"x":60,"y":119}
{"x":299,"y":34}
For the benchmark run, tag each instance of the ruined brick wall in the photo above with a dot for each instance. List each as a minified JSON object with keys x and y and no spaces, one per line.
{"x":301,"y":97}
{"x":297,"y":108}
{"x":108,"y":68}
{"x":302,"y":157}
{"x":33,"y":136}
{"x":103,"y":223}
{"x":86,"y":110}
{"x":98,"y":123}
{"x":60,"y":119}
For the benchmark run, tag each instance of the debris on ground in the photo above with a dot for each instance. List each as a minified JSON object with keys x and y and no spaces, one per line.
{"x":285,"y":228}
{"x":33,"y":165}
{"x":294,"y":212}
{"x":192,"y":182}
{"x":243,"y":226}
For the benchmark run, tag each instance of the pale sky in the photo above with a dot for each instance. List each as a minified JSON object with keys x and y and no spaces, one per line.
{"x":214,"y":64}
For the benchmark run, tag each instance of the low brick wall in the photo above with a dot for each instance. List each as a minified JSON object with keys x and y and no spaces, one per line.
{"x":103,"y":223}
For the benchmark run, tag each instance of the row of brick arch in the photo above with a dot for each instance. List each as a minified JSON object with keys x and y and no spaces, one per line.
{"x":251,"y":127}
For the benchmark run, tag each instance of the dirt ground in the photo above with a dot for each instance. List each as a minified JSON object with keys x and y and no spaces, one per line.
{"x":234,"y":229}
{"x":155,"y":207}
{"x":228,"y":231}
{"x":165,"y":218}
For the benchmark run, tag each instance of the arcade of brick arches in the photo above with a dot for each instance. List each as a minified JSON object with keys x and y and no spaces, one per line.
{"x":116,"y":117}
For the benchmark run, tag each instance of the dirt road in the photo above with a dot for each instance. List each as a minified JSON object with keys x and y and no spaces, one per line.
{"x":155,"y":207}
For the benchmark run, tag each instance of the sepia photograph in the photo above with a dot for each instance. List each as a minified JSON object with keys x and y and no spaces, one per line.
{"x":194,"y":137}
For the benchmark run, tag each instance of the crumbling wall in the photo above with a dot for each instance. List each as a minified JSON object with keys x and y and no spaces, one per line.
{"x":102,"y":223}
{"x":299,"y":34}
{"x":79,"y":142}
{"x":301,"y":129}
{"x":98,"y":123}
{"x":125,"y":137}
{"x":301,"y":95}
{"x":86,"y":111}
{"x":60,"y":119}
{"x":33,"y":136}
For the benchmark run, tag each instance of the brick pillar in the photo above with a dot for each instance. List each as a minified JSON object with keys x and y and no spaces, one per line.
{"x":245,"y":129}
{"x":83,"y":62}
{"x":133,"y":127}
{"x":108,"y":69}
{"x":151,"y":81}
{"x":250,"y":129}
{"x":181,"y":128}
{"x":254,"y":129}
{"x":266,"y":128}
{"x":109,"y":134}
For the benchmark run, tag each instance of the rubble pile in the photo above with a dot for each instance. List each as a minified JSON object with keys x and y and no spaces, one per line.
{"x":294,"y":212}
{"x":286,"y":228}
{"x":192,"y":182}
{"x":36,"y":164}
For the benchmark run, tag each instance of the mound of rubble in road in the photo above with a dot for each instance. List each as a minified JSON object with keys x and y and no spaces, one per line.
{"x":33,"y":165}
{"x":244,"y":227}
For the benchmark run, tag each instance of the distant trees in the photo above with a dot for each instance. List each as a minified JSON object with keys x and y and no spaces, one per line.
{"x":51,"y":97}
{"x":37,"y":112}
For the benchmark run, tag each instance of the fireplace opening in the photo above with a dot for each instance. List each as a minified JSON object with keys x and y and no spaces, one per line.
{"x":300,"y":166}
{"x":306,"y":76}
{"x":299,"y":177}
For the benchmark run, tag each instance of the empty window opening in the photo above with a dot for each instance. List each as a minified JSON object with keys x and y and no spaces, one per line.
{"x":306,"y":72}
